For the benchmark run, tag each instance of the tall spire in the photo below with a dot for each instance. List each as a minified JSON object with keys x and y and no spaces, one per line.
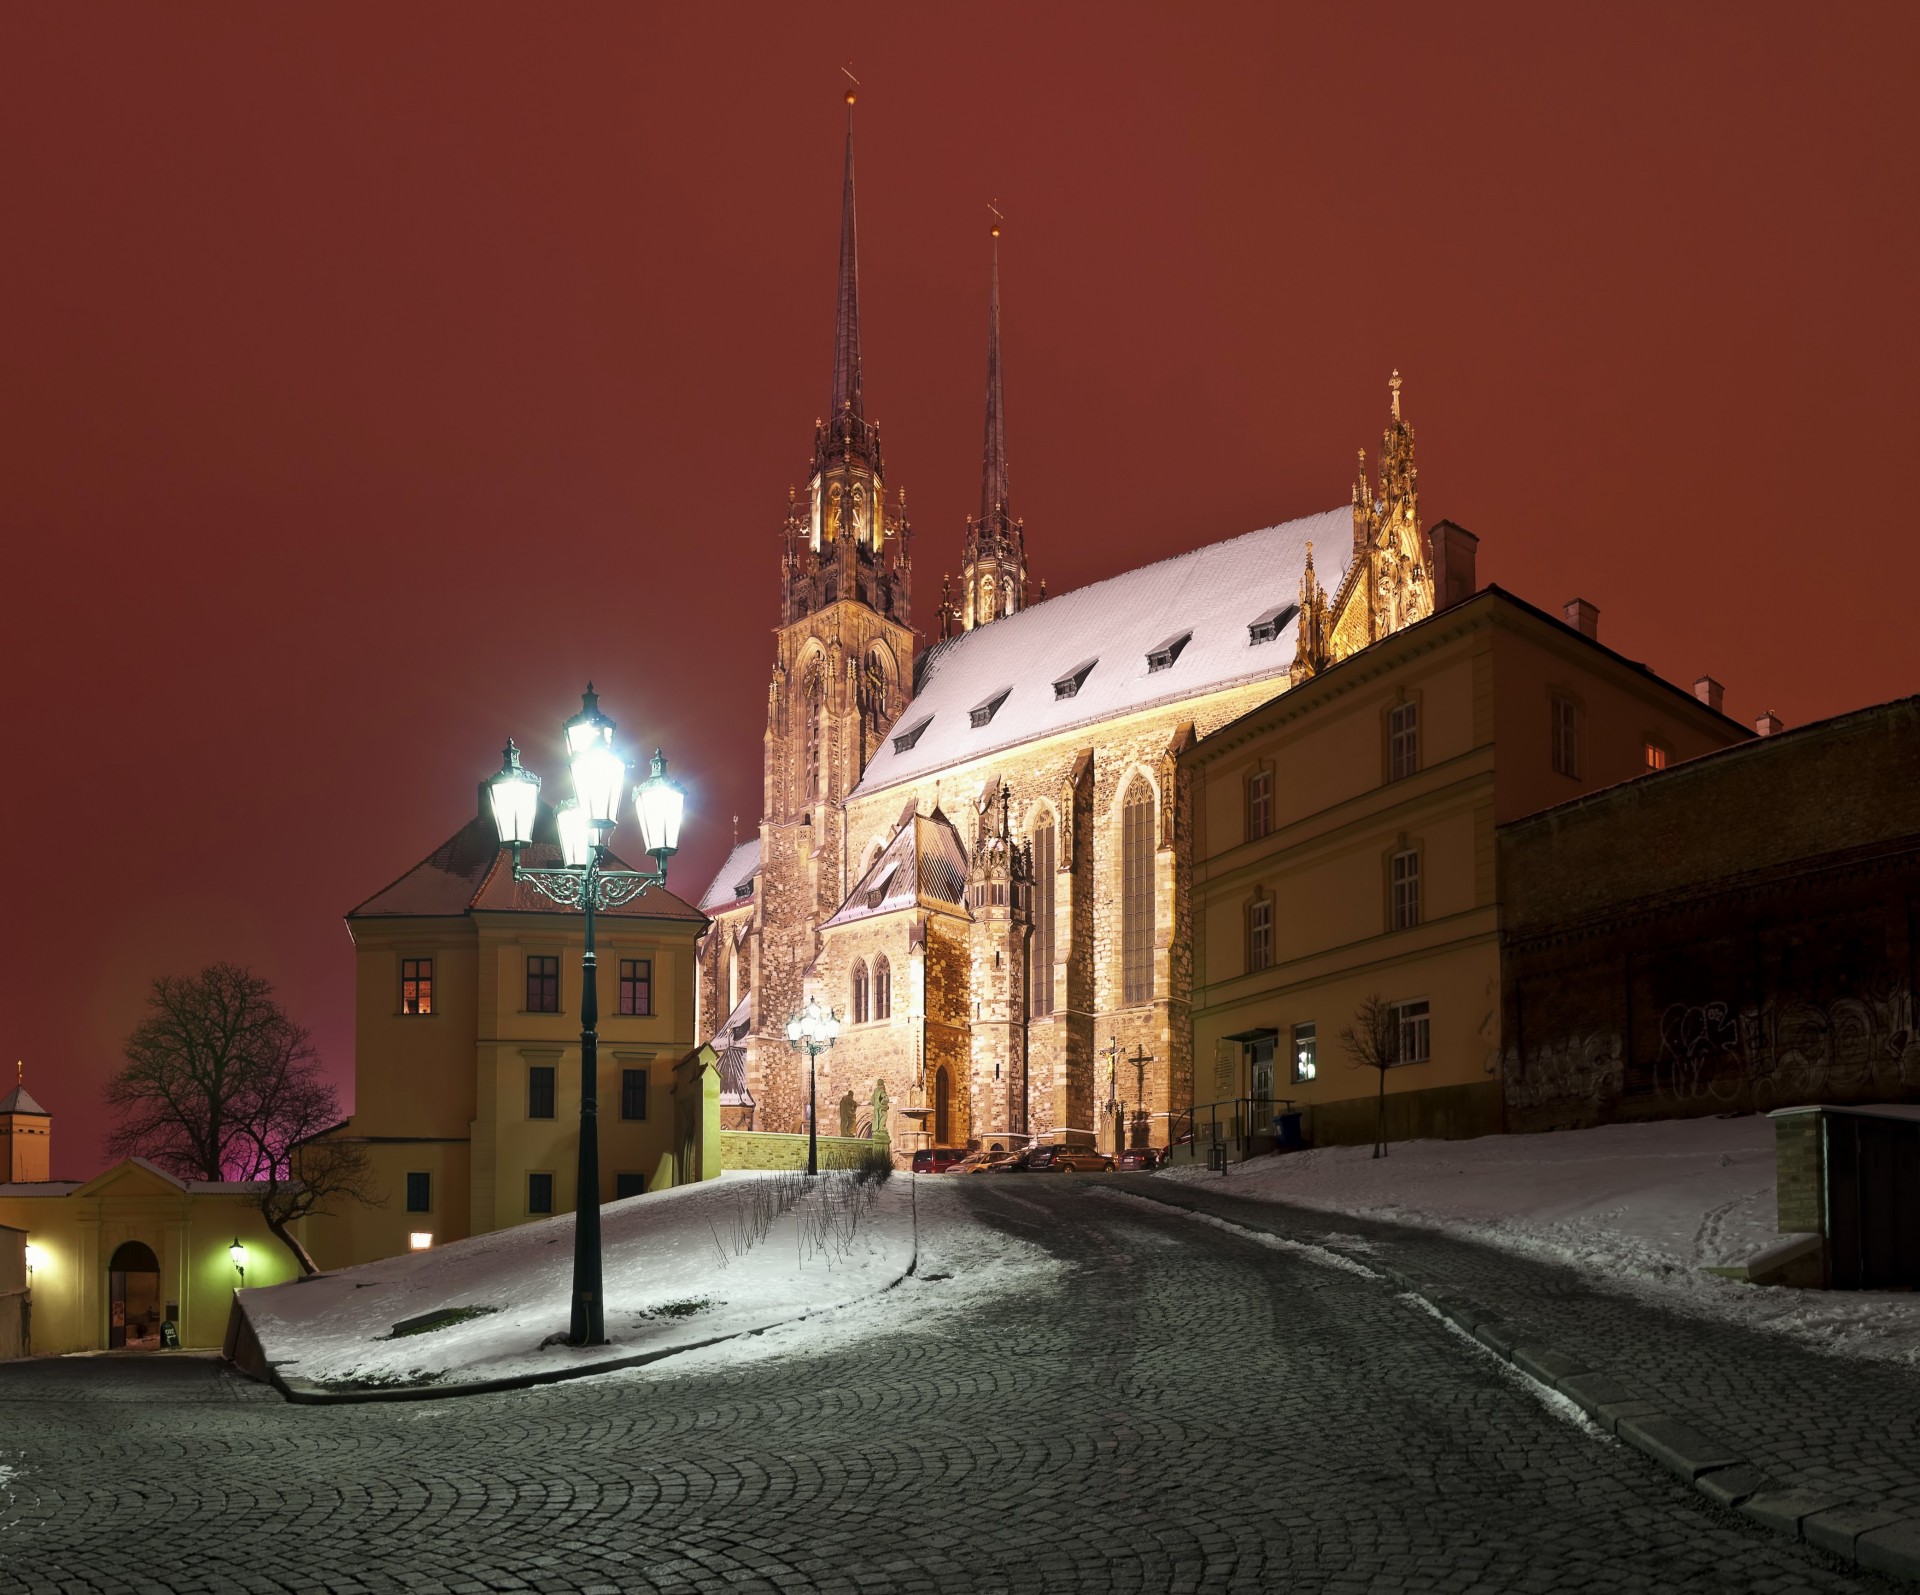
{"x":846,"y":317}
{"x":993,"y":467}
{"x":993,"y":568}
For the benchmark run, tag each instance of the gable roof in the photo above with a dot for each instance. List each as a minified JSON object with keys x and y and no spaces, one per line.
{"x":924,"y":866}
{"x":740,"y":868}
{"x":471,"y":871}
{"x":1209,"y":596}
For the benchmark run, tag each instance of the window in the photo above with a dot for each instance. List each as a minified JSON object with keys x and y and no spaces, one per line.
{"x":1040,"y":948}
{"x":1259,"y":804}
{"x":987,"y":708}
{"x":1074,"y":679}
{"x":636,"y":985}
{"x":539,"y":1193}
{"x":1405,"y":877}
{"x":1306,"y":1054}
{"x":1566,"y":737}
{"x":419,"y":1193}
{"x":540,"y":1091}
{"x":633,"y":1093}
{"x":1271,"y":624}
{"x":1403,"y":741}
{"x":1260,"y":933}
{"x":543,"y":985}
{"x":816,"y":764}
{"x":416,"y":985}
{"x":625,"y":1185}
{"x":1136,"y":894}
{"x":1656,"y":756}
{"x":905,"y":741}
{"x":882,"y":988}
{"x":1162,"y":657}
{"x":1410,"y":1036}
{"x":859,"y":992}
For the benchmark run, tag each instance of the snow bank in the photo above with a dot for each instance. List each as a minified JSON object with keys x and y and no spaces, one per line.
{"x":1647,"y":1207}
{"x":679,"y":1268}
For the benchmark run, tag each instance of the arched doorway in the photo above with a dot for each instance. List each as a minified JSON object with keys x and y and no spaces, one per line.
{"x":133,"y":1297}
{"x":943,"y":1108}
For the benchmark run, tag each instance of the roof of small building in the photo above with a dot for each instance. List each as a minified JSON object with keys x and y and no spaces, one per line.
{"x":471,"y":871}
{"x":740,"y":869}
{"x":17,"y":1101}
{"x":924,"y":866}
{"x":995,"y":687}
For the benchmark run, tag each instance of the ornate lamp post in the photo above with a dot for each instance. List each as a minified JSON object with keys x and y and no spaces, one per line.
{"x":582,"y":880}
{"x":814,"y":1032}
{"x":238,"y":1252}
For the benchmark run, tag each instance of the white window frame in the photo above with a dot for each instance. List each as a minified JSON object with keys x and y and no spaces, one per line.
{"x":1403,"y":741}
{"x":1412,"y":1031}
{"x":1403,"y":885}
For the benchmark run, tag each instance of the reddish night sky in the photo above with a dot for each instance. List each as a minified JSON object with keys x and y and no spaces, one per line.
{"x":350,"y":346}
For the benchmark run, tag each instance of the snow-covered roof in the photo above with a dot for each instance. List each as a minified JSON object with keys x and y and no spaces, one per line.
{"x":924,"y":865}
{"x":17,"y":1101}
{"x":733,"y":883}
{"x":1198,"y":606}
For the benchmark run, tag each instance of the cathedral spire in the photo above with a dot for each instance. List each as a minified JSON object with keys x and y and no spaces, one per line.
{"x":846,"y":317}
{"x":993,"y":467}
{"x":993,"y":572}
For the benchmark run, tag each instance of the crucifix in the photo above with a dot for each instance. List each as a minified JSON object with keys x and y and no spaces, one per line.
{"x":998,"y":217}
{"x":1140,"y":1059}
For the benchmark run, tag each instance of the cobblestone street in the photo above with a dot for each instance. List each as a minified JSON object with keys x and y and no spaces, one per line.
{"x":1178,"y":1407}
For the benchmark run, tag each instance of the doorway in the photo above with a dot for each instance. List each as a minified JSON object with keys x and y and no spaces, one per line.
{"x":133,"y":1298}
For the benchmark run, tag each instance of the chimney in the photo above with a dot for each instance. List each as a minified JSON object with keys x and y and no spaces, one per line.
{"x":1584,"y":618}
{"x":1769,"y":724}
{"x":1451,"y":551}
{"x":1709,"y":692}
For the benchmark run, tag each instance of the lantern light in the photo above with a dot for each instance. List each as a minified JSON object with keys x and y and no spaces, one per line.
{"x":576,"y":835}
{"x":599,"y":775}
{"x":658,"y":804}
{"x":420,"y":1240}
{"x":516,"y":799}
{"x":35,"y":1257}
{"x":238,"y":1253}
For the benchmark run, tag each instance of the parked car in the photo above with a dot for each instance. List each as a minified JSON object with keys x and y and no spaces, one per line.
{"x":1141,"y":1157}
{"x":995,"y":1159}
{"x":938,"y":1159}
{"x":1070,"y":1160}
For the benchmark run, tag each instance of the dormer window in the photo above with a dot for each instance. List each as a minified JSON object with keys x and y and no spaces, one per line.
{"x":1162,"y":657}
{"x":987,"y":708}
{"x":744,"y":889}
{"x":1271,"y":624}
{"x":905,"y":741}
{"x":877,"y":893}
{"x":1069,"y":684}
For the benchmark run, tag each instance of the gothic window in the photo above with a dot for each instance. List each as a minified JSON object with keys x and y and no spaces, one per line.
{"x":733,"y":979}
{"x":942,"y":1108}
{"x":816,"y":763}
{"x":1040,"y":948}
{"x":1136,"y":894}
{"x":1006,"y":596}
{"x":859,"y":992}
{"x":882,"y":988}
{"x":876,"y":689}
{"x":985,"y":608}
{"x":1259,"y":804}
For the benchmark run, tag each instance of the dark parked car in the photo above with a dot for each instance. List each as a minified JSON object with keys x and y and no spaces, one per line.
{"x":937,"y":1159}
{"x":1141,"y":1157}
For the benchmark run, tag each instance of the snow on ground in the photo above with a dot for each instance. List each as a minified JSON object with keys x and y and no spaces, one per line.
{"x":676,"y":1273}
{"x":1646,"y":1206}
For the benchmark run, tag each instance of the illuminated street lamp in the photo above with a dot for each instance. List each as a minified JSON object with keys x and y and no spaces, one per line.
{"x":813,"y":1031}
{"x":585,"y":823}
{"x":238,"y":1252}
{"x":33,"y":1262}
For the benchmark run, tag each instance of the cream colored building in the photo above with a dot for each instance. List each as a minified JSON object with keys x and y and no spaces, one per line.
{"x":467,"y":990}
{"x":1344,"y":848}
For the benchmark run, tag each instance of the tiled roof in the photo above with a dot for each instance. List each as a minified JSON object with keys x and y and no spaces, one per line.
{"x":1209,"y":596}
{"x":925,"y":865}
{"x":17,"y":1101}
{"x":739,"y":869}
{"x":470,"y":871}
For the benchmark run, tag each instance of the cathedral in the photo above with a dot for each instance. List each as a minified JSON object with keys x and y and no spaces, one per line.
{"x":978,"y":853}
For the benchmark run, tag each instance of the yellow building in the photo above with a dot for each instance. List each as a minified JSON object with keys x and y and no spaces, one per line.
{"x":467,"y":1050}
{"x":1344,"y":849}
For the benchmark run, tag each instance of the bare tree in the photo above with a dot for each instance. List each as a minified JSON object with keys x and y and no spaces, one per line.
{"x":1373,"y":1042}
{"x":219,"y":1084}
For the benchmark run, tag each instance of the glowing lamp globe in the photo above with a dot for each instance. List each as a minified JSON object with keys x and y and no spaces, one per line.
{"x":658,"y":805}
{"x":576,"y":834}
{"x":599,"y":775}
{"x":238,"y":1252}
{"x":516,"y":799}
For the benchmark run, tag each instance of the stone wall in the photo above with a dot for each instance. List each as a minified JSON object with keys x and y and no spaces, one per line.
{"x":764,"y":1149}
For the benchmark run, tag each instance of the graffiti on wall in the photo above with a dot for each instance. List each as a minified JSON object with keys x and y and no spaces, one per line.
{"x":1576,"y":1069}
{"x":1789,"y":1050}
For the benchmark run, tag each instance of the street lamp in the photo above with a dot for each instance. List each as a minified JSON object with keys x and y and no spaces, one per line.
{"x":582,"y":880}
{"x":33,"y":1262}
{"x":813,"y":1031}
{"x":238,"y":1252}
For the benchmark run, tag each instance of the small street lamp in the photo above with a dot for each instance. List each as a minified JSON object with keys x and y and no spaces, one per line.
{"x":813,"y":1031}
{"x":582,"y":880}
{"x":238,"y":1252}
{"x":33,"y":1262}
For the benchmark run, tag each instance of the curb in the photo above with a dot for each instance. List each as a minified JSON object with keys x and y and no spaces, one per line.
{"x":304,"y":1392}
{"x":1867,"y":1537}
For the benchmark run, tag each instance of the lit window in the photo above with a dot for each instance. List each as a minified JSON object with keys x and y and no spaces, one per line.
{"x":420,"y":1240}
{"x":636,"y":985}
{"x":1656,"y":756}
{"x":633,"y":1093}
{"x":543,"y":985}
{"x":1411,"y":1042}
{"x":1566,"y":737}
{"x":1041,"y":946}
{"x":419,"y":1193}
{"x":1260,"y":933}
{"x":416,"y":985}
{"x":540,"y":1091}
{"x":539,"y":1193}
{"x":1403,"y":741}
{"x":1305,"y":1054}
{"x":1406,"y":889}
{"x":1136,"y":894}
{"x":1259,"y":804}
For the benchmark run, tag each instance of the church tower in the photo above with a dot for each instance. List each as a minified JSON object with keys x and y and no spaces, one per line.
{"x":26,"y":1135}
{"x":993,"y":568}
{"x":843,"y":670}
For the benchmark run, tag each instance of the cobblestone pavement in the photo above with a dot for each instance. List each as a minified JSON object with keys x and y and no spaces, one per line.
{"x":1842,"y":1426}
{"x":1171,"y":1406}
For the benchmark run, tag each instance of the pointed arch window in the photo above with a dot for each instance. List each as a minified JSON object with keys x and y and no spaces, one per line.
{"x":816,"y":763}
{"x":859,"y":991}
{"x":882,"y":988}
{"x":1137,"y":839}
{"x":1040,"y":948}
